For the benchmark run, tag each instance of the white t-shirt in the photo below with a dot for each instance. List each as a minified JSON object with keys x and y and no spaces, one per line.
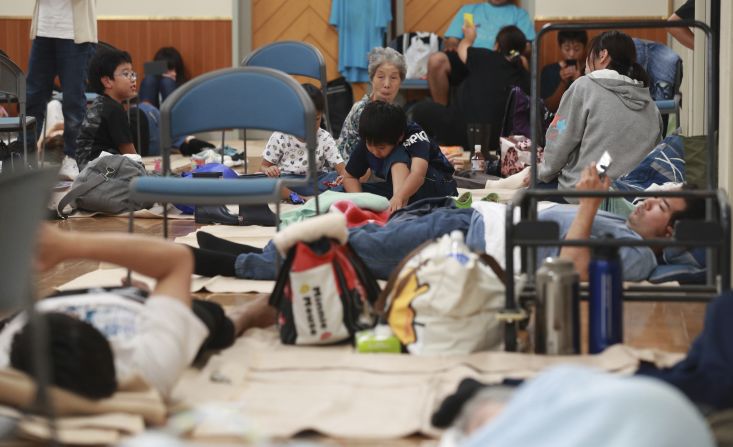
{"x":55,"y":19}
{"x":291,"y":156}
{"x":157,"y":339}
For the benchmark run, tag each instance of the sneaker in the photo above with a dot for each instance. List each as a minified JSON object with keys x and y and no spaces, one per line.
{"x":69,"y":170}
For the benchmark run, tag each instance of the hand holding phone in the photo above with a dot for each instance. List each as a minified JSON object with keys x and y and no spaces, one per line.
{"x":603,"y":164}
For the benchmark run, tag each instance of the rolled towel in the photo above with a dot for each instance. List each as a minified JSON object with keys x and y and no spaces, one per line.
{"x":331,"y":225}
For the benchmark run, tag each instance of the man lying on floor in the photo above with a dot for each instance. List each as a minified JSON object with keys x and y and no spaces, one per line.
{"x":423,"y":221}
{"x":100,"y":339}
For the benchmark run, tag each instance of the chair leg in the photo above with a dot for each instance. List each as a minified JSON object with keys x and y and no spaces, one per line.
{"x":130,"y":230}
{"x":165,"y":221}
{"x":246,"y":163}
{"x":223,"y":134}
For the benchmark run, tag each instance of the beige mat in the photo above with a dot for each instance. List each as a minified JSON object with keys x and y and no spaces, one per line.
{"x":112,"y":277}
{"x":284,"y":390}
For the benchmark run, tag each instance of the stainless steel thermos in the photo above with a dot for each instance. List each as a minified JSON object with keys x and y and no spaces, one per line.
{"x":557,"y":313}
{"x":605,"y":307}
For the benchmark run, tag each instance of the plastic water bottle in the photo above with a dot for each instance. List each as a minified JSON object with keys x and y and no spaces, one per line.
{"x":457,"y":247}
{"x":605,"y":310}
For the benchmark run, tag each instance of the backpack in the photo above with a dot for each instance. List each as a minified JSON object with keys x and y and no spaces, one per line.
{"x":517,"y":116}
{"x":324,"y":293}
{"x":103,"y":186}
{"x":444,"y":299}
{"x":340,"y":97}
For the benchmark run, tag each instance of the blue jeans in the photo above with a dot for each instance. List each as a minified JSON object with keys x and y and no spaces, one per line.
{"x":154,"y":86}
{"x":660,"y":62}
{"x":381,"y":248}
{"x":50,"y":57}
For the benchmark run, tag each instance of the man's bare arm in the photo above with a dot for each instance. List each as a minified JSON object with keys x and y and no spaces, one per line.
{"x":683,"y":35}
{"x":581,"y":226}
{"x":171,"y":265}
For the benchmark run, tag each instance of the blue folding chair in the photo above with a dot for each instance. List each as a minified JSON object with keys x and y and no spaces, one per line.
{"x":12,"y":83}
{"x":293,"y":58}
{"x":231,"y":98}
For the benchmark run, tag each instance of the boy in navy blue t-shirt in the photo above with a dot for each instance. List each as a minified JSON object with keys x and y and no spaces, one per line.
{"x":411,"y":165}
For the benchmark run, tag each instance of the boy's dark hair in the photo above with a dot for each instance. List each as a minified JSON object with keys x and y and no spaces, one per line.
{"x":572,"y":36}
{"x":80,"y":357}
{"x":511,"y":41}
{"x":622,"y":51}
{"x":694,"y":207}
{"x":315,"y":95}
{"x":382,"y":123}
{"x":104,"y":63}
{"x":174,"y":61}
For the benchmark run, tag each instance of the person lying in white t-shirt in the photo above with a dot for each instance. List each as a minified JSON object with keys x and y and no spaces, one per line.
{"x":97,"y":340}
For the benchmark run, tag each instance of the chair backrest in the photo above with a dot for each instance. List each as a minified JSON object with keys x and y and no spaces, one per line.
{"x":293,"y":58}
{"x":12,"y":79}
{"x":238,"y":98}
{"x":19,"y":223}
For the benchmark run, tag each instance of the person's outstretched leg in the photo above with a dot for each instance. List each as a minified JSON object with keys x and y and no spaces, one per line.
{"x":210,"y":242}
{"x":257,"y":313}
{"x":213,"y":263}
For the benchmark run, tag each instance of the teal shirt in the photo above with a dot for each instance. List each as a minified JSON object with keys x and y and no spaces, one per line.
{"x":489,"y":19}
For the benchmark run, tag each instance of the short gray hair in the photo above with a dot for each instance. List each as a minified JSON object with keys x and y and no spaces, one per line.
{"x":384,"y":55}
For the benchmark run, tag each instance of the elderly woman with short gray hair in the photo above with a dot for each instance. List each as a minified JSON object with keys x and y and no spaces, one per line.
{"x":387,"y":69}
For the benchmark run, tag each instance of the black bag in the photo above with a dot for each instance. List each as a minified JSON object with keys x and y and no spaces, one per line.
{"x":340,"y":98}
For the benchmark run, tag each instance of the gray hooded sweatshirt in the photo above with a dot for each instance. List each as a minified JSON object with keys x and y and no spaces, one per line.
{"x":602,"y":111}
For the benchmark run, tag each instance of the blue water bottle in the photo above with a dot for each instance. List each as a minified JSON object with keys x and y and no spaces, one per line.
{"x":605,"y":310}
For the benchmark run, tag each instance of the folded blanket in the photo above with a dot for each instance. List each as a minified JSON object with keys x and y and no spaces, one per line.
{"x":363,"y":200}
{"x":134,"y":397}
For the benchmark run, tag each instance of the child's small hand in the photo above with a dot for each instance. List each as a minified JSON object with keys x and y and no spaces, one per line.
{"x":339,"y":180}
{"x":271,"y":171}
{"x":396,"y":203}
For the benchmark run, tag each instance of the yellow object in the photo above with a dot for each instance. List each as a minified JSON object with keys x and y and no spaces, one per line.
{"x":468,"y":18}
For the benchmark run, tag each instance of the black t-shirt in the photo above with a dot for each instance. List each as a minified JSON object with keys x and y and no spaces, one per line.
{"x":415,"y":144}
{"x":686,"y":11}
{"x":105,"y":127}
{"x":481,"y":97}
{"x":549,"y":80}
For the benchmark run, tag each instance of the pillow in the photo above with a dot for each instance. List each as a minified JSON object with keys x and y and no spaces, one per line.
{"x":680,"y":264}
{"x":664,"y":164}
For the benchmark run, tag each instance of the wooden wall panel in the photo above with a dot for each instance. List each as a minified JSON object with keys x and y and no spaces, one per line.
{"x":301,"y":20}
{"x":550,"y":50}
{"x":204,"y":44}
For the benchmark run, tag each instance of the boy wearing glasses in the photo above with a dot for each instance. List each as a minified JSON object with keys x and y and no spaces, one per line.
{"x":106,"y":127}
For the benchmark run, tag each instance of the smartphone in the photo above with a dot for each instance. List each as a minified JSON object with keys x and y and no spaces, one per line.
{"x":468,"y":18}
{"x":154,"y":68}
{"x":603,"y":164}
{"x":571,"y":62}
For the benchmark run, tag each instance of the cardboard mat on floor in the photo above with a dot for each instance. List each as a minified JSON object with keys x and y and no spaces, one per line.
{"x":111,"y":276}
{"x":282,"y":390}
